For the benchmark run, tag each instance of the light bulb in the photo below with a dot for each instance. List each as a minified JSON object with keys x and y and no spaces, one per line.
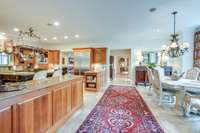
{"x":56,"y":23}
{"x":173,"y":45}
{"x":77,"y":36}
{"x":16,"y":29}
{"x":66,"y":37}
{"x":54,"y":38}
{"x":163,"y":47}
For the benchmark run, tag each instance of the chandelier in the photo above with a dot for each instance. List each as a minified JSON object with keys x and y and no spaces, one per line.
{"x":27,"y":35}
{"x":175,"y":49}
{"x":7,"y":46}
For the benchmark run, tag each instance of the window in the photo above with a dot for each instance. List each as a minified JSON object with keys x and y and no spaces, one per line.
{"x":4,"y":59}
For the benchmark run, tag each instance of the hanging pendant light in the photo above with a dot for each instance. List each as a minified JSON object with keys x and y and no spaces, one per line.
{"x":175,"y":49}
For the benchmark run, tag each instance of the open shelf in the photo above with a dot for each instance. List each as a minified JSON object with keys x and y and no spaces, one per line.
{"x":92,"y":81}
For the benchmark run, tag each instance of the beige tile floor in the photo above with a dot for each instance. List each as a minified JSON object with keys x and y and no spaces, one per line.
{"x":169,"y":118}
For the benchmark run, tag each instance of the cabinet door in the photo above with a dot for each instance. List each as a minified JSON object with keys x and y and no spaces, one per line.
{"x":56,"y":57}
{"x":74,"y":95}
{"x":80,"y":92}
{"x":77,"y":93}
{"x":50,"y":57}
{"x":61,"y":101}
{"x":100,"y":55}
{"x":6,"y":120}
{"x":140,"y":76}
{"x":35,"y":115}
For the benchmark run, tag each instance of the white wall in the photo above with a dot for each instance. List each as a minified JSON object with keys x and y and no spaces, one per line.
{"x":187,"y":59}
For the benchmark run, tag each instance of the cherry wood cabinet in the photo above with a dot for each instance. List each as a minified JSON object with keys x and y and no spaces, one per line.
{"x":61,"y":101}
{"x":53,"y":57}
{"x":6,"y":120}
{"x":35,"y":115}
{"x":141,"y":75}
{"x":77,"y":93}
{"x":100,"y":55}
{"x":43,"y":110}
{"x":27,"y":52}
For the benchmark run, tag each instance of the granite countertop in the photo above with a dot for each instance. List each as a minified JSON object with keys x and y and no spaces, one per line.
{"x":34,"y":85}
{"x":17,"y":73}
{"x":91,"y":72}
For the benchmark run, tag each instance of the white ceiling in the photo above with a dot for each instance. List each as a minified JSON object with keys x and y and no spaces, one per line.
{"x":98,"y":20}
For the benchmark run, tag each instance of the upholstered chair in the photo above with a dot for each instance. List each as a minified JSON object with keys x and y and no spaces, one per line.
{"x":57,"y":73}
{"x":160,"y":91}
{"x":40,"y":75}
{"x":192,"y":73}
{"x":191,"y":102}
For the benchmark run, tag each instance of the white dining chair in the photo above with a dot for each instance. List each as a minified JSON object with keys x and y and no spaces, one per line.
{"x":40,"y":75}
{"x":57,"y":73}
{"x":150,"y":77}
{"x":160,"y":91}
{"x":191,"y":103}
{"x":192,"y":73}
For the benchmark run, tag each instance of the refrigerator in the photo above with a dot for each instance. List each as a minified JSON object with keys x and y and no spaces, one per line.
{"x":82,"y":62}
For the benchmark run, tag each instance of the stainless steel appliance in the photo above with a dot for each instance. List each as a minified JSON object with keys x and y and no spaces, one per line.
{"x":81,"y":62}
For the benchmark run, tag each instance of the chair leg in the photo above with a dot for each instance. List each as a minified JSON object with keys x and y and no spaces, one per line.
{"x":160,"y":100}
{"x":187,"y":110}
{"x":186,"y":106}
{"x":150,"y":91}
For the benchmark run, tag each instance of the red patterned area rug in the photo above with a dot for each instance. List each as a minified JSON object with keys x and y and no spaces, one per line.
{"x":120,"y":110}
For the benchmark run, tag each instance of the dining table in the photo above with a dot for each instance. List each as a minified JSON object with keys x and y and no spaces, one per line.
{"x":181,"y":86}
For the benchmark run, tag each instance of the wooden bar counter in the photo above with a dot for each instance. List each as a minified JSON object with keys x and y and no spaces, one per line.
{"x":42,"y":106}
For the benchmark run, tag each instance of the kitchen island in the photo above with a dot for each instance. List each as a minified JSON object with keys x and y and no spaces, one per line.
{"x":42,"y":106}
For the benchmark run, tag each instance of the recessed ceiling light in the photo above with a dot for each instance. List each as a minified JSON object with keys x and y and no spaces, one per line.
{"x":157,"y":30}
{"x":66,"y":37}
{"x":77,"y":36}
{"x":2,"y":37}
{"x":56,"y":23}
{"x":45,"y":39}
{"x":16,"y":29}
{"x":2,"y":33}
{"x":54,"y":38}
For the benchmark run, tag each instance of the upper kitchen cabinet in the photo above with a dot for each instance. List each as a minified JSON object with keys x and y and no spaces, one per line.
{"x":100,"y":55}
{"x":23,"y":55}
{"x":83,"y":59}
{"x":53,"y":57}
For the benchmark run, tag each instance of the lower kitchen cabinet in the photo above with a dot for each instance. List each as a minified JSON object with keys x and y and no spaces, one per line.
{"x":6,"y":120}
{"x":43,"y":110}
{"x":35,"y":115}
{"x":77,"y":93}
{"x":61,"y":101}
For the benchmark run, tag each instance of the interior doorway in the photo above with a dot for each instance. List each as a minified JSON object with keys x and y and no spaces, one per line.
{"x":120,"y":65}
